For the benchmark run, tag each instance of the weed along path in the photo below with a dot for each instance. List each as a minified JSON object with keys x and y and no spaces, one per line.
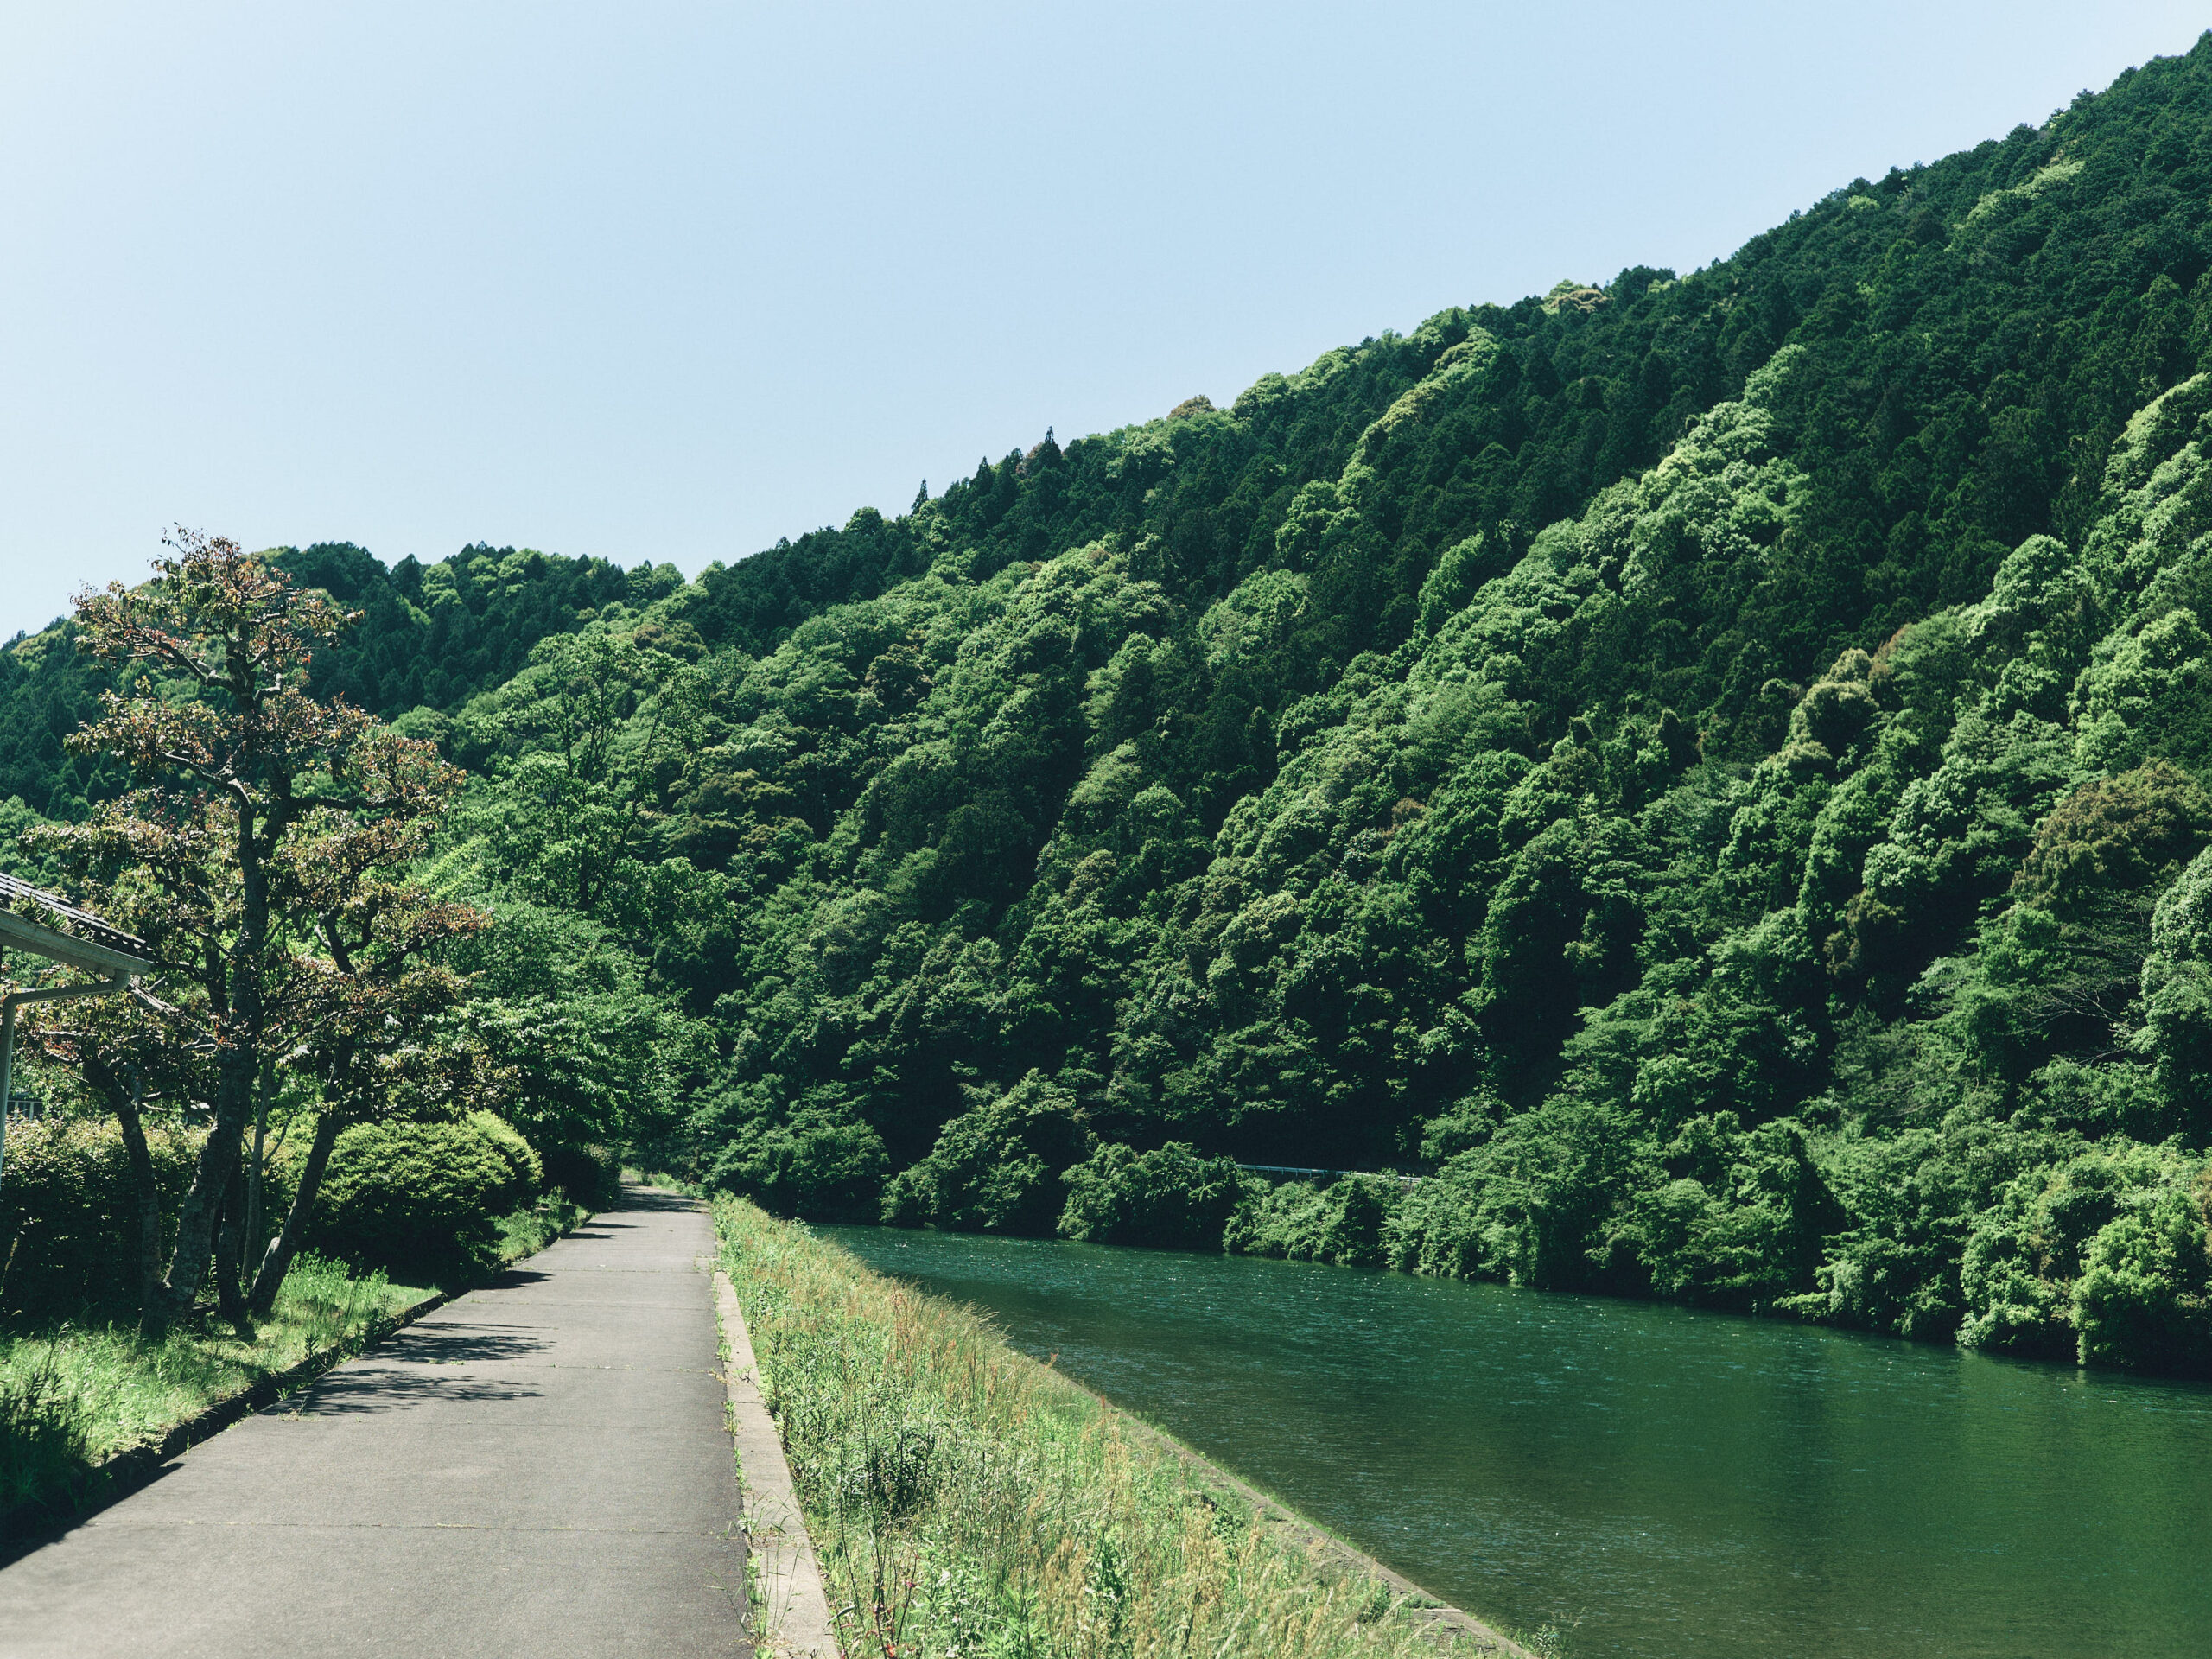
{"x":540,"y":1468}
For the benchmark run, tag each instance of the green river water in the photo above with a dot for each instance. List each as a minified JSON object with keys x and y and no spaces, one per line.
{"x":1652,"y":1480}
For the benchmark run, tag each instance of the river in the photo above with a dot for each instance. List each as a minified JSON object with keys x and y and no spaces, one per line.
{"x":1651,"y":1480}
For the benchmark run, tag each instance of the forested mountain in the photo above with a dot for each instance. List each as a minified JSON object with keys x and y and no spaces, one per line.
{"x":1712,"y":769}
{"x":432,"y":635}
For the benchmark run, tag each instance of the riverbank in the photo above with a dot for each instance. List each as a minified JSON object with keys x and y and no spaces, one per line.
{"x":73,"y":1396}
{"x":963,"y":1497}
{"x":1654,"y":1480}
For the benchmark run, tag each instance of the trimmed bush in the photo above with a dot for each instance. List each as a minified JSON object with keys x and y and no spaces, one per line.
{"x":525,"y":1173}
{"x":423,"y":1201}
{"x":69,"y":1211}
{"x":591,"y":1176}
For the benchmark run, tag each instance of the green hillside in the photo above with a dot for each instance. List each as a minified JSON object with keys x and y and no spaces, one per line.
{"x":431,"y":636}
{"x":1711,"y":769}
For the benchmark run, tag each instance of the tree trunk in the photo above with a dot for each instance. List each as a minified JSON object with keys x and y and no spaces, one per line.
{"x":257,"y":1166}
{"x":282,"y":1248}
{"x":196,"y":1216}
{"x":149,"y":1196}
{"x":229,"y":1238}
{"x":238,"y":1063}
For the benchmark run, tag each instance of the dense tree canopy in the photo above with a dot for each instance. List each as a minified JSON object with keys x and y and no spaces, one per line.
{"x":429,"y":635}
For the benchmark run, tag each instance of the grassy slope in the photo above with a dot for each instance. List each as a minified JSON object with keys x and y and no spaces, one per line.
{"x":966,"y":1500}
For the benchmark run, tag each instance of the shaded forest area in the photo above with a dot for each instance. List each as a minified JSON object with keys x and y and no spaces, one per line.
{"x":1711,"y":770}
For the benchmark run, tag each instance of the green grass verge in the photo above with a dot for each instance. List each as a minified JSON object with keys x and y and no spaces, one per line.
{"x":967,"y":1503}
{"x":528,"y":1231}
{"x":74,"y":1395}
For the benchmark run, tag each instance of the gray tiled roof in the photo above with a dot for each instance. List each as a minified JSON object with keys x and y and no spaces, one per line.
{"x":66,"y":918}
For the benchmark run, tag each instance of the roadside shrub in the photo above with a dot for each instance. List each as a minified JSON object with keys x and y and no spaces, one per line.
{"x":526,"y":1172}
{"x":69,"y":1211}
{"x":994,"y":1169}
{"x":422,"y":1200}
{"x":591,"y":1176}
{"x":1171,"y":1196}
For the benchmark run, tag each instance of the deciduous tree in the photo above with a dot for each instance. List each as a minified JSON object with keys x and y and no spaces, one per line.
{"x":260,"y":853}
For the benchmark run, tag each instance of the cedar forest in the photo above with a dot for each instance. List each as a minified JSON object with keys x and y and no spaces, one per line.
{"x":1712,"y":772}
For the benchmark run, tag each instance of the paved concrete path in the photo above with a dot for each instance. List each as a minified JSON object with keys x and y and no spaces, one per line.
{"x":541,"y":1468}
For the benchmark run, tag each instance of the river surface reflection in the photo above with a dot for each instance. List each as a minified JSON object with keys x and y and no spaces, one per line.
{"x":1653,"y":1480}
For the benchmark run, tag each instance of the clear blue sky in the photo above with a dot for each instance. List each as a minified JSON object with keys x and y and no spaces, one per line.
{"x":667,"y":282}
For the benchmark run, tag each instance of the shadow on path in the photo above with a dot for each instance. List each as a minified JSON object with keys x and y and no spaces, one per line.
{"x":515,"y":1278}
{"x":638,"y":1198}
{"x":364,"y":1389}
{"x":376,"y":1381}
{"x":455,"y":1344}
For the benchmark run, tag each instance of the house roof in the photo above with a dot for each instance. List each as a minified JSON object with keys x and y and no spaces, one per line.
{"x":62,"y":932}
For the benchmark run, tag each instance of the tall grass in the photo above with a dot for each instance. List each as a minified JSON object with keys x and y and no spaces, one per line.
{"x":967,"y":1502}
{"x":530,"y":1229}
{"x":72,"y":1394}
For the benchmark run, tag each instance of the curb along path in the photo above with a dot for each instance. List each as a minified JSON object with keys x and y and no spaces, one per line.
{"x":539,"y":1468}
{"x":794,"y":1620}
